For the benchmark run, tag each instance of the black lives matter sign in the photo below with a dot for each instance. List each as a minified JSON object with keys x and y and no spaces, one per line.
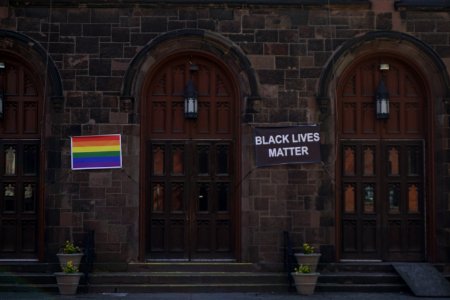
{"x":285,"y":145}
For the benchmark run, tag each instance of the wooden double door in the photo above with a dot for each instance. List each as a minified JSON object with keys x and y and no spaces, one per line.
{"x":21,"y":214}
{"x":383,"y":200}
{"x":190,"y":193}
{"x":382,"y":164}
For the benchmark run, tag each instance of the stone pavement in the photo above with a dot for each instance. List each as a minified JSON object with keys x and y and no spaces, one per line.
{"x":216,"y":296}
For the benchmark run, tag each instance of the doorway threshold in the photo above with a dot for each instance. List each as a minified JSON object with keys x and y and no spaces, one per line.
{"x":18,"y":260}
{"x":197,"y":260}
{"x":361,"y":260}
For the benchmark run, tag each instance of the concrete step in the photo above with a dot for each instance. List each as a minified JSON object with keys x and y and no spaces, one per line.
{"x":362,"y":288}
{"x":190,"y":267}
{"x":360,"y":278}
{"x":188,"y":288}
{"x":187,"y":278}
{"x":28,"y":267}
{"x":195,"y":281}
{"x":27,"y":278}
{"x":366,"y":267}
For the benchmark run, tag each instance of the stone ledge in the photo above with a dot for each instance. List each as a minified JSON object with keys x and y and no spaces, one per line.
{"x":423,"y":5}
{"x":121,"y":3}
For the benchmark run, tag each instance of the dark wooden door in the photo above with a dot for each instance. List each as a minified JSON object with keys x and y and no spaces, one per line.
{"x":190,"y":193}
{"x":382,"y":165}
{"x":19,"y":163}
{"x":382,"y":200}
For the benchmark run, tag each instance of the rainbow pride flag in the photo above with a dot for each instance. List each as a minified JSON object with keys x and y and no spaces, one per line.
{"x":96,"y":152}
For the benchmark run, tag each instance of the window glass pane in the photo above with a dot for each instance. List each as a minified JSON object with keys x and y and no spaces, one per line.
{"x":177,"y":197}
{"x":393,"y":161}
{"x":349,"y":161}
{"x":222,"y":197}
{"x":222,"y":159}
{"x":158,"y":197}
{"x":413,"y":198}
{"x":30,"y":159}
{"x":29,"y":197}
{"x":178,"y":160}
{"x":369,"y":161}
{"x":369,"y":196}
{"x":203,"y":159}
{"x":9,"y":193}
{"x":349,"y":201}
{"x":394,"y":198}
{"x":203,"y":197}
{"x":10,"y":160}
{"x":414,"y":161}
{"x":158,"y":160}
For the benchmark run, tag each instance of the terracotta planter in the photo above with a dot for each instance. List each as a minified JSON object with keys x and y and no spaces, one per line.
{"x":305,"y":283}
{"x":68,"y":282}
{"x":308,"y":259}
{"x":64,"y":258}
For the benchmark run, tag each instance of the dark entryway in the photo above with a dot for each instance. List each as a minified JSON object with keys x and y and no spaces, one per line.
{"x":190,"y":164}
{"x":20,"y":190}
{"x":382,"y":164}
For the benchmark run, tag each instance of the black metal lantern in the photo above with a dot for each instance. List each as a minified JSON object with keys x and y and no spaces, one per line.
{"x":190,"y":96}
{"x":2,"y":96}
{"x":1,"y":104}
{"x":382,"y":101}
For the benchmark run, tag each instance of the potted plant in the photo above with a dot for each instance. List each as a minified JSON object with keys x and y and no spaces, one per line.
{"x":68,"y":279}
{"x":70,"y":252}
{"x":308,"y":257}
{"x":305,"y":280}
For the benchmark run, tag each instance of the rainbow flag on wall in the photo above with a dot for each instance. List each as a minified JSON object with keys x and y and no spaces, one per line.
{"x":96,"y":152}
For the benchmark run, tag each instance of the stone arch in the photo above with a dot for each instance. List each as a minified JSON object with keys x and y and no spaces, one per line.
{"x":190,"y":39}
{"x":436,"y":84}
{"x":29,"y":54}
{"x":425,"y":59}
{"x":212,"y":50}
{"x":17,"y":44}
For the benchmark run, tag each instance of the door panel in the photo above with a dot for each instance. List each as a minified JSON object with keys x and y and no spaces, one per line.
{"x":381,"y":174}
{"x":190,"y":190}
{"x":19,"y":190}
{"x":20,"y":217}
{"x":383,"y":200}
{"x":190,"y":199}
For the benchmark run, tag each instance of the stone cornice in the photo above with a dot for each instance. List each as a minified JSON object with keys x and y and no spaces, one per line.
{"x":128,"y":3}
{"x":423,"y":5}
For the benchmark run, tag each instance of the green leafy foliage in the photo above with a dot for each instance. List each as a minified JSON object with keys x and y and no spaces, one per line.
{"x":307,"y":248}
{"x":70,"y":248}
{"x":303,"y":269}
{"x":70,"y":268}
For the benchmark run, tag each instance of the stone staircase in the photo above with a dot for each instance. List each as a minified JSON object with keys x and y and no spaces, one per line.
{"x":29,"y":276}
{"x":187,"y":278}
{"x":360,"y":277}
{"x":195,"y":277}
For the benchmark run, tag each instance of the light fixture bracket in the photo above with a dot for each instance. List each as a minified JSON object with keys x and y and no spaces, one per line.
{"x":382,"y":101}
{"x":190,"y":94}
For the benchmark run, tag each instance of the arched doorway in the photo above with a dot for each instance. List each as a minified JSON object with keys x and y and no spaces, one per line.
{"x":20,"y":160}
{"x":382,"y":163}
{"x":189,"y":194}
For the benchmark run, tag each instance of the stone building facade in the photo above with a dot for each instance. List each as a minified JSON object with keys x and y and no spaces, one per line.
{"x":77,"y":68}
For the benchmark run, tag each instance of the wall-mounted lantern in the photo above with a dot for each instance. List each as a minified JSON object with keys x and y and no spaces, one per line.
{"x":2,"y":96}
{"x":190,"y":96}
{"x":382,"y":96}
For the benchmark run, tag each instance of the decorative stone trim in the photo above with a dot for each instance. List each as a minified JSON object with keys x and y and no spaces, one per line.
{"x":119,"y":3}
{"x":57,"y":103}
{"x":422,"y":5}
{"x":126,"y":104}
